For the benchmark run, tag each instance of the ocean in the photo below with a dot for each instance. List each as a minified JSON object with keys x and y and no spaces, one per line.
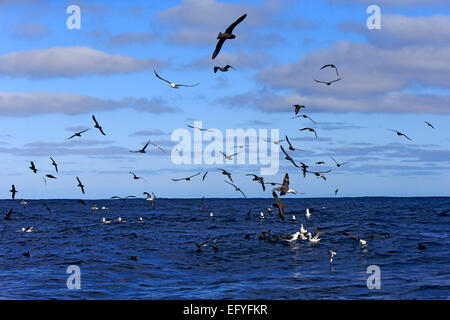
{"x":168,"y":265}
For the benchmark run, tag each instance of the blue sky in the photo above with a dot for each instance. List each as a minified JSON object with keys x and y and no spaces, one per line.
{"x":53,"y":79}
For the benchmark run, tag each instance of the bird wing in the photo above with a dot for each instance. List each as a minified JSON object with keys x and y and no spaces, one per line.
{"x":194,"y":175}
{"x":146,"y":145}
{"x":318,"y":81}
{"x":234,"y":24}
{"x":279,"y":205}
{"x":156,"y":74}
{"x":204,"y":176}
{"x":101,"y":130}
{"x":187,"y":85}
{"x":95,"y":120}
{"x":218,"y":47}
{"x":336,"y":80}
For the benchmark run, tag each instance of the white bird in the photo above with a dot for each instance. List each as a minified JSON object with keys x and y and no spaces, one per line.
{"x":173,"y":85}
{"x":120,"y":219}
{"x":269,"y":210}
{"x":307,"y":213}
{"x":332,"y":254}
{"x":140,"y":219}
{"x":294,"y":237}
{"x":303,"y":230}
{"x":261,"y":215}
{"x":211,"y":214}
{"x":294,"y":218}
{"x":106,"y":220}
{"x":27,"y":229}
{"x":314,"y":239}
{"x":23,"y":203}
{"x":362,"y":242}
{"x":303,"y":236}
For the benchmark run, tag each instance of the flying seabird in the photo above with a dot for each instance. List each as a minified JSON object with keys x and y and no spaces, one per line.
{"x":13,"y":192}
{"x":401,"y":134}
{"x":287,"y":157}
{"x":173,"y":85}
{"x":304,"y":167}
{"x":201,"y":129}
{"x":429,"y":124}
{"x":290,"y":145}
{"x":298,"y":107}
{"x":50,"y":176}
{"x":226,"y":35}
{"x":309,"y":129}
{"x":337,"y":164}
{"x":77,"y":134}
{"x":82,"y":202}
{"x":135,"y":177}
{"x":278,"y":205}
{"x":98,"y":126}
{"x":320,"y":162}
{"x":33,"y":168}
{"x":237,"y":189}
{"x":157,"y":147}
{"x":80,"y":185}
{"x":54,"y":164}
{"x":331,"y":66}
{"x":285,"y":187}
{"x":123,"y":198}
{"x":150,"y":198}
{"x":304,"y":116}
{"x":188,"y":178}
{"x":328,"y":83}
{"x":336,"y":192}
{"x":223,"y":69}
{"x":143,"y":149}
{"x":229,"y":157}
{"x":259,"y":179}
{"x":226,"y":173}
{"x":275,"y":142}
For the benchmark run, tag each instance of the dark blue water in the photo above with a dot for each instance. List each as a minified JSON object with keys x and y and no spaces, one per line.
{"x":169,"y":266}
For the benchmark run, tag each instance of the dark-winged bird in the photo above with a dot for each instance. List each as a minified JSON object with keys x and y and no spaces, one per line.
{"x":13,"y":192}
{"x":278,"y":205}
{"x":143,"y":149}
{"x":33,"y":168}
{"x":429,"y":124}
{"x":54,"y":164}
{"x":98,"y":126}
{"x":337,"y":164}
{"x":331,"y":66}
{"x":187,"y":178}
{"x":328,"y":83}
{"x":298,"y":107}
{"x":226,"y":35}
{"x":226,"y":173}
{"x":287,"y":157}
{"x":236,"y":188}
{"x":223,"y":69}
{"x":309,"y":129}
{"x":285,"y":187}
{"x":259,"y":179}
{"x":77,"y":134}
{"x":80,"y":185}
{"x":290,"y":145}
{"x":401,"y":134}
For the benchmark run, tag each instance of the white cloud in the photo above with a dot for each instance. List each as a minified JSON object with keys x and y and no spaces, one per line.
{"x":19,"y":104}
{"x":70,"y":62}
